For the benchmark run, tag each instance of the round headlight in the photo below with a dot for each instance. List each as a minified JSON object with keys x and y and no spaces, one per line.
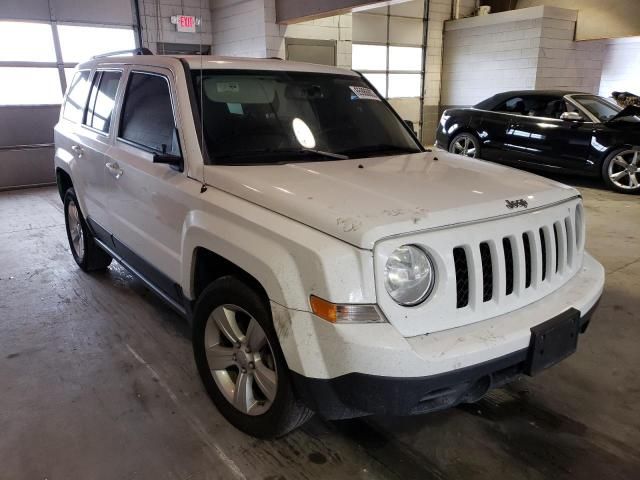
{"x":409,"y":275}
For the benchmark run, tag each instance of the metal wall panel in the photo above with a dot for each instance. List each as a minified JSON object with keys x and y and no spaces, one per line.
{"x":405,"y":31}
{"x":413,"y":9}
{"x":27,"y":124}
{"x":19,"y":168}
{"x":369,"y":28}
{"x":118,"y":12}
{"x":24,"y":10}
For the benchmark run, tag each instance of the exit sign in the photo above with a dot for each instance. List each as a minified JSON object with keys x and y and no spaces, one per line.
{"x":185,"y":23}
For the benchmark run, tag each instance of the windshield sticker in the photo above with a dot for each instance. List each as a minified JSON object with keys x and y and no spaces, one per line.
{"x":233,"y":87}
{"x":365,"y":93}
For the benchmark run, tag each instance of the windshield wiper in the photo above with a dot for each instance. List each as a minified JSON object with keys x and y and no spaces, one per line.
{"x":379,"y":148}
{"x":271,"y":152}
{"x":337,"y":156}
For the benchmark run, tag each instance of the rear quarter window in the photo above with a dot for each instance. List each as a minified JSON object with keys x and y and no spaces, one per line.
{"x":102,"y":100}
{"x":76,"y":100}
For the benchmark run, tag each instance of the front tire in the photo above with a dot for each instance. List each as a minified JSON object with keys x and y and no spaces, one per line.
{"x":240,"y":361}
{"x":466,"y":144}
{"x":621,"y":171}
{"x":87,"y":254}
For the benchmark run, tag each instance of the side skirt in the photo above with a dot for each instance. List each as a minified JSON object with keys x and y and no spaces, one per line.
{"x":163,"y":286}
{"x":175,"y":305}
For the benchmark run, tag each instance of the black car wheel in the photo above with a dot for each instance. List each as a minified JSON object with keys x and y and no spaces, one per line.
{"x":621,"y":171}
{"x":240,"y":361}
{"x":87,"y":254}
{"x":465,"y":144}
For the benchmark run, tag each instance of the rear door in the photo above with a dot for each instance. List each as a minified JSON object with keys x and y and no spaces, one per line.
{"x":91,"y":143}
{"x":148,"y":201}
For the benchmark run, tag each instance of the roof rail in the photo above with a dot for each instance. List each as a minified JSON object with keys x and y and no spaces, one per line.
{"x":135,"y":51}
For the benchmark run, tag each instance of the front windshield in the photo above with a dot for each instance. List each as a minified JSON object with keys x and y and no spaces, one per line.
{"x":274,"y":117}
{"x":598,"y":107}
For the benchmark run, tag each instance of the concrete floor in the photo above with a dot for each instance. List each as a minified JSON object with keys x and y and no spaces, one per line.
{"x":97,"y":382}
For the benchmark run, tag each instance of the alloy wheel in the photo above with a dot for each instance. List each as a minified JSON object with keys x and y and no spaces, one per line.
{"x":75,"y":229}
{"x":624,"y":170}
{"x":241,"y":359}
{"x":465,"y":145}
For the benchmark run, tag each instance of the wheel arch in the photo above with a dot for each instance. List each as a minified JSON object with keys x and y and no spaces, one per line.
{"x":63,"y":181}
{"x":208,"y":266}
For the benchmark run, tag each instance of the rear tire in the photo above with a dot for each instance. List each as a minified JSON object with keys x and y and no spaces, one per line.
{"x":87,"y":254}
{"x":621,"y":171}
{"x":240,"y":361}
{"x":465,"y":144}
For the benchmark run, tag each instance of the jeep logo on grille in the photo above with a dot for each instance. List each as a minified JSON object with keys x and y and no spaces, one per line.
{"x":521,"y":202}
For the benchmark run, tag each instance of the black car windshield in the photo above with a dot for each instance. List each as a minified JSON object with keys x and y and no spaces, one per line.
{"x":274,"y":117}
{"x":600,"y":108}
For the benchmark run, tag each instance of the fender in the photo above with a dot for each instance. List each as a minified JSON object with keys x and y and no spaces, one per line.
{"x":289,"y":259}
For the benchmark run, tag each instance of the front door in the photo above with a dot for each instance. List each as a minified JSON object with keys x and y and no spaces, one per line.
{"x":544,"y":140}
{"x":493,"y":131}
{"x":148,"y":201}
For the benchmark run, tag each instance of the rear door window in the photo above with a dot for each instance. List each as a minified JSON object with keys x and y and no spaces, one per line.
{"x":102,"y":100}
{"x":147,"y":114}
{"x":76,"y":100}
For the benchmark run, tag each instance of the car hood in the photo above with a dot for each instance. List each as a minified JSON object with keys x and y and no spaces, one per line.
{"x":628,"y":111}
{"x":362,"y":201}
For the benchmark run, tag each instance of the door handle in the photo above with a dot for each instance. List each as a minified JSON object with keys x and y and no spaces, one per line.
{"x":114,"y":169}
{"x":77,"y":149}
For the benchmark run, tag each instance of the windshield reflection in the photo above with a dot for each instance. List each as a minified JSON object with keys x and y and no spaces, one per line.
{"x":274,"y":117}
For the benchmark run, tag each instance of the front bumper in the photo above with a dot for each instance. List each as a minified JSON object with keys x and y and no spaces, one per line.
{"x":356,"y":394}
{"x":355,"y":369}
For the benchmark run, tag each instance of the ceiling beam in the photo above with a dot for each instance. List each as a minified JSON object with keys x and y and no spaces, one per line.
{"x":294,"y":11}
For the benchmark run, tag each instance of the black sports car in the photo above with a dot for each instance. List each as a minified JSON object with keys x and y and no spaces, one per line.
{"x":552,"y":130}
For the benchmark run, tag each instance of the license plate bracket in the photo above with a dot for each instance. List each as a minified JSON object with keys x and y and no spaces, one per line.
{"x":553,"y":341}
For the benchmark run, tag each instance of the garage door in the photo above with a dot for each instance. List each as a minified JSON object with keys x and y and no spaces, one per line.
{"x":40,"y":43}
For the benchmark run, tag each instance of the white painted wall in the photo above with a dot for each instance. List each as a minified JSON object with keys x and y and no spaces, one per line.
{"x":621,"y":66}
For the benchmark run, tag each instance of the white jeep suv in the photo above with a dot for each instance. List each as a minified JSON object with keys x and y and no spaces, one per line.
{"x":326,"y":260}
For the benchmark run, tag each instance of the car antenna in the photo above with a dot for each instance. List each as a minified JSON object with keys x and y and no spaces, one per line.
{"x":203,"y":188}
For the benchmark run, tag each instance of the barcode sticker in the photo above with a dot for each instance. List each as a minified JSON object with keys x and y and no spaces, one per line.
{"x":365,"y":93}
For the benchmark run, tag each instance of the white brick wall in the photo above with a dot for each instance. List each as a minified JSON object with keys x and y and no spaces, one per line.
{"x":155,"y":18}
{"x":517,"y":50}
{"x":239,"y":27}
{"x":621,"y":66}
{"x":439,"y":12}
{"x":482,"y":61}
{"x":565,"y":64}
{"x":249,"y":28}
{"x":338,"y":28}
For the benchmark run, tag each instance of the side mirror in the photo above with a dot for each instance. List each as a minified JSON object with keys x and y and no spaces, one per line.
{"x":173,"y":159}
{"x":176,"y":162}
{"x":409,"y":124}
{"x":572,"y":117}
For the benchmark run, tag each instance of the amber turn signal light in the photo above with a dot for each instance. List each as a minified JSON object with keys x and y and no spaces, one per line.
{"x":341,"y":313}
